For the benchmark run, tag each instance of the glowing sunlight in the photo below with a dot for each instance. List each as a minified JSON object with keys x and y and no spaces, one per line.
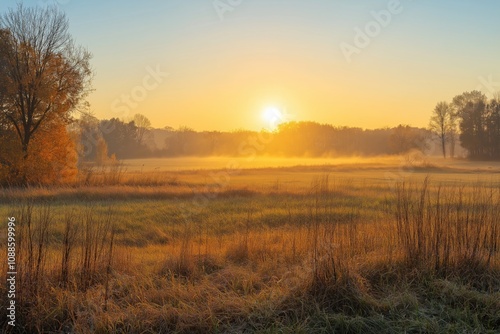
{"x":272,"y":117}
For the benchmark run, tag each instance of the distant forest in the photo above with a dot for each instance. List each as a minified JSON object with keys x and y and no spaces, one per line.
{"x":468,"y":126}
{"x":100,"y":139}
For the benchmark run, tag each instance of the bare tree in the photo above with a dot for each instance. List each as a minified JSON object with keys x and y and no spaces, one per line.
{"x":143,"y":125}
{"x":44,"y":76}
{"x":441,"y":123}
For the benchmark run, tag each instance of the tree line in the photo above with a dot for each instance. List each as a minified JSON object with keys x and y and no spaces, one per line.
{"x":474,"y":120}
{"x":129,"y":140}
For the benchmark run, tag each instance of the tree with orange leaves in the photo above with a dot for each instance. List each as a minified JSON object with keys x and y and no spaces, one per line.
{"x":44,"y":78}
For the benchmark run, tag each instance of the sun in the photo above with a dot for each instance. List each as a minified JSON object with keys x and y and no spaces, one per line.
{"x":272,"y":117}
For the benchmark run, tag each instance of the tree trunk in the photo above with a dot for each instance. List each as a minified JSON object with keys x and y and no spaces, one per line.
{"x":25,"y":151}
{"x":452,"y":144}
{"x":443,"y":143}
{"x":24,"y":176}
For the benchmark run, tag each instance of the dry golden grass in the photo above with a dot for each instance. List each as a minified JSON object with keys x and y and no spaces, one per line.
{"x":354,"y":256}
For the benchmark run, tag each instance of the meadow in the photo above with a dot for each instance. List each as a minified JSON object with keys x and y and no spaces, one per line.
{"x":266,"y":245}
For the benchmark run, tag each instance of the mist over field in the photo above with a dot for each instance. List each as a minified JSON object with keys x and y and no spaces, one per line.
{"x":231,"y":162}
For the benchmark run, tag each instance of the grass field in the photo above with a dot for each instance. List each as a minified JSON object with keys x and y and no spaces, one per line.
{"x":202,"y":245}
